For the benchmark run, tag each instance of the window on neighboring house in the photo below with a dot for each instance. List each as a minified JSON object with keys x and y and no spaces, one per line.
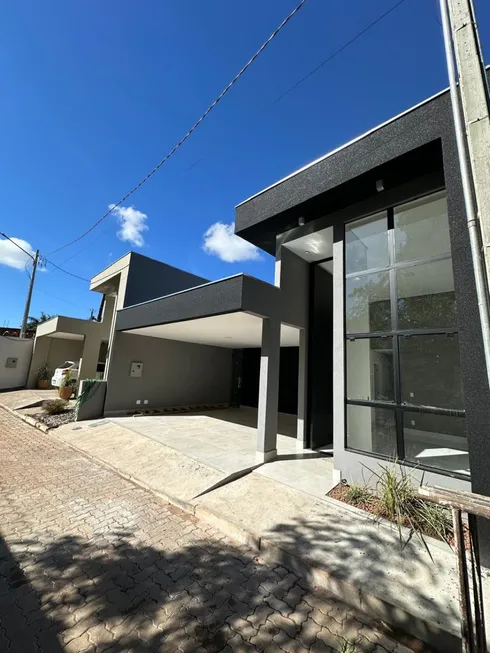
{"x":403,"y":377}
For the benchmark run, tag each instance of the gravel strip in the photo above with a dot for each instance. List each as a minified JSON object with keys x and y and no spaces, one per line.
{"x":53,"y":421}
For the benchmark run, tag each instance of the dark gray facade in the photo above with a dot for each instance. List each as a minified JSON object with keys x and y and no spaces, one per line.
{"x":235,"y":294}
{"x":149,"y":278}
{"x":414,"y":155}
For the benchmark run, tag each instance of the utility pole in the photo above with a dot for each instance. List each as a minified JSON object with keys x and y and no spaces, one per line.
{"x":470,"y":98}
{"x":475,"y":104}
{"x":29,"y":295}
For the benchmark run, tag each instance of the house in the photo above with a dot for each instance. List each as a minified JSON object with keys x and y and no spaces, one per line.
{"x":369,"y":336}
{"x":129,"y":280}
{"x":374,"y":292}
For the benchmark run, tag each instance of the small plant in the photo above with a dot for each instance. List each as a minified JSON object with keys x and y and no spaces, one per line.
{"x":89,"y":387}
{"x":54,"y":406}
{"x":398,"y":501}
{"x":359,"y":495}
{"x":43,"y":373}
{"x":68,"y":381}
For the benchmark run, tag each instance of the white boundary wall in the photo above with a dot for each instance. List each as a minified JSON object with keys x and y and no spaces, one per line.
{"x":15,"y":359}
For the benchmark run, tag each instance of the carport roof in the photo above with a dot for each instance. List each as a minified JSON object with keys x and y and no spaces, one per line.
{"x":238,"y":294}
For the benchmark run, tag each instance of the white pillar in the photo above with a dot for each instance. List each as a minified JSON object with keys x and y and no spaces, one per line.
{"x":301,"y":434}
{"x":268,"y":390}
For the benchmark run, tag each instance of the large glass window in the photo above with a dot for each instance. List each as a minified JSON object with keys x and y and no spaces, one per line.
{"x":367,"y":301}
{"x":370,"y":369}
{"x":403,"y":380}
{"x":366,"y":244}
{"x":425,"y":295}
{"x":430,"y":371}
{"x":371,"y":429}
{"x":421,"y":229}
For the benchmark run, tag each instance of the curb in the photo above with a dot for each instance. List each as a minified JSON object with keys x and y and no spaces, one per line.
{"x":354,"y":596}
{"x":27,"y":419}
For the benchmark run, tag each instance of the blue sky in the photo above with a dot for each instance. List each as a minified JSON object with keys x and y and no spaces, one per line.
{"x":95,"y":93}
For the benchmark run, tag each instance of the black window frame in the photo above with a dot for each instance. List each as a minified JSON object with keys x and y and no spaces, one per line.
{"x":395,"y":334}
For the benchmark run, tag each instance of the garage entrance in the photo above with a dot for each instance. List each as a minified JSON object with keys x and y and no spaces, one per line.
{"x":247,"y":370}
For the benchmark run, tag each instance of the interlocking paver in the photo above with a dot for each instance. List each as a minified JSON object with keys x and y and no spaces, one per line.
{"x":90,"y":563}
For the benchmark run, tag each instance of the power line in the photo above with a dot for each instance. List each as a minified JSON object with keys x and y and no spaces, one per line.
{"x":61,"y":299}
{"x":339,"y":50}
{"x":84,"y":247}
{"x":191,"y":130}
{"x":328,"y":59}
{"x":66,"y":271}
{"x":16,"y":244}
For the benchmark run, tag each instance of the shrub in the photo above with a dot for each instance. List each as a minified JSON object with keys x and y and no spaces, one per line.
{"x":398,"y":501}
{"x":54,"y":406}
{"x":43,"y":373}
{"x":359,"y":494}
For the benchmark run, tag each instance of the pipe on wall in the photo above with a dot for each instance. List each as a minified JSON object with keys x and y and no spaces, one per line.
{"x":473,"y":228}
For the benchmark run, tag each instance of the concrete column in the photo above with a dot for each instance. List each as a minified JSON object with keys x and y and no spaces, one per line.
{"x":268,"y":390}
{"x":112,"y":308}
{"x":90,"y":356}
{"x":338,"y":357}
{"x":301,"y":434}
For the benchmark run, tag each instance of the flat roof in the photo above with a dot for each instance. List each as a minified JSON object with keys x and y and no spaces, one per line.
{"x":345,"y":145}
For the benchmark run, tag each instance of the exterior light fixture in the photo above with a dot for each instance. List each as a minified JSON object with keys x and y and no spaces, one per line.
{"x":301,"y":221}
{"x":380,"y":185}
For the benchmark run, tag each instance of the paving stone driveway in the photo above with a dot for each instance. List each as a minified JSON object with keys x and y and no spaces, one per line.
{"x":90,"y":562}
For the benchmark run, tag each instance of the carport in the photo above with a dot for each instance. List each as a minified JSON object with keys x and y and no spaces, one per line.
{"x":205,"y":325}
{"x":65,"y":338}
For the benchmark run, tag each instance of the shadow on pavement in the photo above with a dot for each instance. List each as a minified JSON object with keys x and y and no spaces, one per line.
{"x":114,"y":590}
{"x":24,"y":627}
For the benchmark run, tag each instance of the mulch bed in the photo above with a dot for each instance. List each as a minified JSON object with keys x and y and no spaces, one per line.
{"x":53,"y":421}
{"x":340,"y":492}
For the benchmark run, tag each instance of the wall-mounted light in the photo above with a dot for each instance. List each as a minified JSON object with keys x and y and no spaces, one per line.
{"x":380,"y":185}
{"x":301,"y":221}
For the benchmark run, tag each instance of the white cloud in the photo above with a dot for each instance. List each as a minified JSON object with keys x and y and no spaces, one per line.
{"x":12,"y":256}
{"x":221,"y":241}
{"x":132,"y":223}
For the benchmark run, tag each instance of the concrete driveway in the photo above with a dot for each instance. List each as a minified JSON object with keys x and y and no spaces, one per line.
{"x":225,"y":440}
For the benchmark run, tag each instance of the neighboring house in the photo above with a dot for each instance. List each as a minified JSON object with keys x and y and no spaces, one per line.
{"x":375,"y":294}
{"x":130,"y":279}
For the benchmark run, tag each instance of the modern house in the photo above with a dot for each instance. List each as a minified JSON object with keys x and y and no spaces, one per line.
{"x":374,"y":292}
{"x":370,"y":334}
{"x":130,"y":279}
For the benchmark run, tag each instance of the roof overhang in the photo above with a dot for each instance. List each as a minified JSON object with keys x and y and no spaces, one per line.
{"x":234,"y":330}
{"x":226,"y":313}
{"x":107,"y":281}
{"x":67,"y":328}
{"x":407,"y":145}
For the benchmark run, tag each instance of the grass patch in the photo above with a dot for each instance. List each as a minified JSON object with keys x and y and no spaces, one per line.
{"x":359,"y":495}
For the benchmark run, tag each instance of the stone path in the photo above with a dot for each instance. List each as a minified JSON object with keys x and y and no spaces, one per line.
{"x":90,"y":562}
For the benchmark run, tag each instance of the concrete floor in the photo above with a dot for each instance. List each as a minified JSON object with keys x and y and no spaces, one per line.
{"x":226,"y":441}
